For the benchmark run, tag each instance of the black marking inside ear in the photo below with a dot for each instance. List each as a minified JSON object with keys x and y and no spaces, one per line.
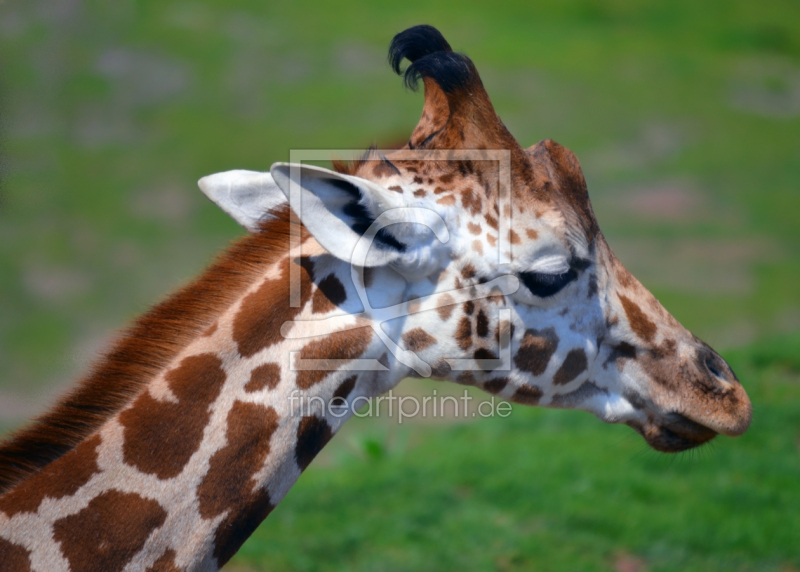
{"x":362,"y":219}
{"x":414,"y":43}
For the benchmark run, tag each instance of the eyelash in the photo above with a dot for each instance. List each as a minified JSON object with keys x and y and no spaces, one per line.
{"x":546,"y":285}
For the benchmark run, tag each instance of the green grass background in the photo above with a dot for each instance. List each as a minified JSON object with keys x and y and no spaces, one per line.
{"x":109,"y":113}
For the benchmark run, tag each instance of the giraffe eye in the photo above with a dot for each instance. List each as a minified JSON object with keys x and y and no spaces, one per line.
{"x":545,"y":285}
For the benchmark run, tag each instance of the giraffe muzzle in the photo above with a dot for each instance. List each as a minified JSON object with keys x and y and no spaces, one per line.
{"x":690,"y":401}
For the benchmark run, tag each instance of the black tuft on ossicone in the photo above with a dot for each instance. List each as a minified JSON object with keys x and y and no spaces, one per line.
{"x":414,"y":43}
{"x":448,"y":69}
{"x":430,"y":56}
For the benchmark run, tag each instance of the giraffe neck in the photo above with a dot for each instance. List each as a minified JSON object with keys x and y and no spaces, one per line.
{"x":185,"y":473}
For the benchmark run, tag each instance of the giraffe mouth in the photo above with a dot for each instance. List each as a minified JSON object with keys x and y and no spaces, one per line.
{"x":673,"y":434}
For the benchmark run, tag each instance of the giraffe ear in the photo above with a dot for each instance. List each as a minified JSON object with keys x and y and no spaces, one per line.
{"x":338,"y":209}
{"x":247,"y":196}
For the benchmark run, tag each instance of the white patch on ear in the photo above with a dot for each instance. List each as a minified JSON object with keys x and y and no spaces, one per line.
{"x":337,"y":209}
{"x":247,"y":196}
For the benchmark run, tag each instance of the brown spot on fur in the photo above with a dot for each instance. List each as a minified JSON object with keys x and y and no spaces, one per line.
{"x":641,"y":325}
{"x":329,"y":295}
{"x":165,"y":564}
{"x":574,"y":364}
{"x":447,"y":200}
{"x":446,"y":306}
{"x":258,"y":323}
{"x":491,"y":239}
{"x":340,"y":395}
{"x":418,"y":180}
{"x":668,"y":348}
{"x":527,"y":395}
{"x":149,"y":345}
{"x":469,"y":307}
{"x":491,"y":221}
{"x":496,"y":297}
{"x":465,"y":378}
{"x":471,"y":201}
{"x":495,"y":386}
{"x":420,"y":193}
{"x":439,"y":191}
{"x":313,"y":434}
{"x":474,"y":228}
{"x":210,"y":331}
{"x":504,"y":327}
{"x":482,"y":324}
{"x":621,"y":353}
{"x":229,"y":485}
{"x":536,"y":349}
{"x":464,"y":334}
{"x":161,"y":436}
{"x":60,"y":479}
{"x":440,"y":369}
{"x":477,"y":246}
{"x":347,"y":345}
{"x":531,"y":233}
{"x":396,"y":189}
{"x":265,"y":375}
{"x":513,"y":237}
{"x":468,"y":272}
{"x":446,"y":179}
{"x":15,"y":558}
{"x":109,"y":531}
{"x":418,"y":339}
{"x":484,"y":354}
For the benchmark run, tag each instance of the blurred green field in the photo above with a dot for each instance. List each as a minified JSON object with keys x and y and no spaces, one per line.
{"x":686,"y":119}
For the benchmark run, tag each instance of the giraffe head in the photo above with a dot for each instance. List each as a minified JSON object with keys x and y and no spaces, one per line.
{"x":507,"y":281}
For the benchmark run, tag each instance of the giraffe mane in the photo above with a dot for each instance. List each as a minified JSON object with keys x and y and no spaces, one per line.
{"x":146,"y":347}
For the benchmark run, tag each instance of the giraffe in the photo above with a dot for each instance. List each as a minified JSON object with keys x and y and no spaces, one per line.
{"x":418,"y":262}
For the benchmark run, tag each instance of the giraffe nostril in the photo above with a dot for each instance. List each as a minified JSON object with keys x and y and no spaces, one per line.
{"x":717,"y":368}
{"x":712,"y":367}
